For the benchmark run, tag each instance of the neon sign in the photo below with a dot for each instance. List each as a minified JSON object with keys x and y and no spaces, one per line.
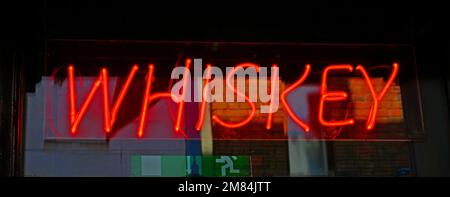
{"x":110,"y":113}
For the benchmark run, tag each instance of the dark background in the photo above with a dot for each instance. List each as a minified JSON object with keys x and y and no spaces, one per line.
{"x":26,"y":25}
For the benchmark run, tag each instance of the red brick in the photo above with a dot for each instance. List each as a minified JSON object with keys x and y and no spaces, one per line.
{"x":384,"y":113}
{"x":383,"y":120}
{"x":360,"y":114}
{"x":397,"y":112}
{"x":362,"y":105}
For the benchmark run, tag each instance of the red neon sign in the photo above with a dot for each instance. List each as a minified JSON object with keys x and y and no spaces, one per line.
{"x":332,"y":96}
{"x":109,"y":115}
{"x":272,"y":98}
{"x":201,"y":116}
{"x":376,"y":98}
{"x":291,"y":88}
{"x":181,"y":104}
{"x":122,"y":94}
{"x":148,"y":87}
{"x":240,"y":94}
{"x":71,"y":94}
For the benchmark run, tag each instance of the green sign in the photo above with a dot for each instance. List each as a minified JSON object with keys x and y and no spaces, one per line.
{"x":155,"y":165}
{"x":180,"y":166}
{"x":226,"y":166}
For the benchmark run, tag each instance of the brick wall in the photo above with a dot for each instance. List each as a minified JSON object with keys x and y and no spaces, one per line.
{"x":373,"y":158}
{"x":269,"y":155}
{"x":389,"y":120}
{"x":256,"y":129}
{"x":370,"y":158}
{"x":390,"y":108}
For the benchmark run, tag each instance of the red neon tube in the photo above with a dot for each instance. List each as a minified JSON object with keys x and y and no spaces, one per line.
{"x":86,"y":103}
{"x":71,"y":94}
{"x":272,"y":97}
{"x":290,"y":89}
{"x":106,"y":114}
{"x":145,"y":102}
{"x":231,"y":86}
{"x":156,"y":96}
{"x":201,"y":116}
{"x":394,"y":74}
{"x":181,"y":106}
{"x":332,"y":96}
{"x":122,"y":94}
{"x":376,"y":99}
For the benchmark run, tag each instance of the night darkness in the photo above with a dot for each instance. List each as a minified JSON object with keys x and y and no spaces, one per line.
{"x":26,"y":26}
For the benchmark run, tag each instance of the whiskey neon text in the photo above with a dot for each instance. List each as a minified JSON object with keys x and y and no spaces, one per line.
{"x":110,"y":111}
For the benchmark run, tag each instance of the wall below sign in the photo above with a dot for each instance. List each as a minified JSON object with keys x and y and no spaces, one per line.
{"x":46,"y":157}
